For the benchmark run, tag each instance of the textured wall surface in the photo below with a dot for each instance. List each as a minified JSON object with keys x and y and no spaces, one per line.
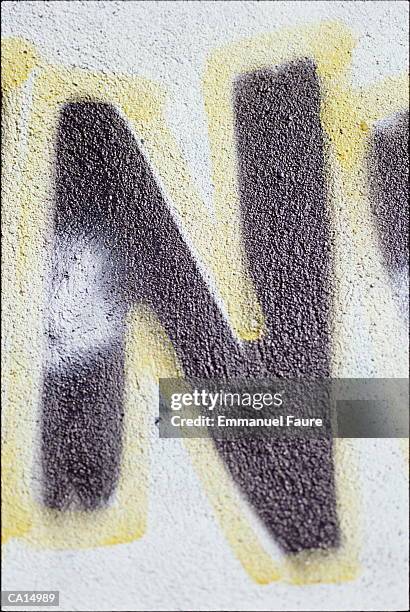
{"x":212,"y":189}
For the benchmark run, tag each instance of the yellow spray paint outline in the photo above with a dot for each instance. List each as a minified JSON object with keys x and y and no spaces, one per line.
{"x":270,"y":50}
{"x":347,"y":117}
{"x":331,"y":58}
{"x":141,"y":102}
{"x":125,"y":520}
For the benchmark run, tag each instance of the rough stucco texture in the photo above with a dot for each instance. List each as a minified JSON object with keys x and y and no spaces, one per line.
{"x":216,"y":190}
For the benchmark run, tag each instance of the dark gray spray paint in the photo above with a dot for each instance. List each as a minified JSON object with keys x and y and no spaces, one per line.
{"x":388,"y":163}
{"x":107,"y":197}
{"x":286,"y":236}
